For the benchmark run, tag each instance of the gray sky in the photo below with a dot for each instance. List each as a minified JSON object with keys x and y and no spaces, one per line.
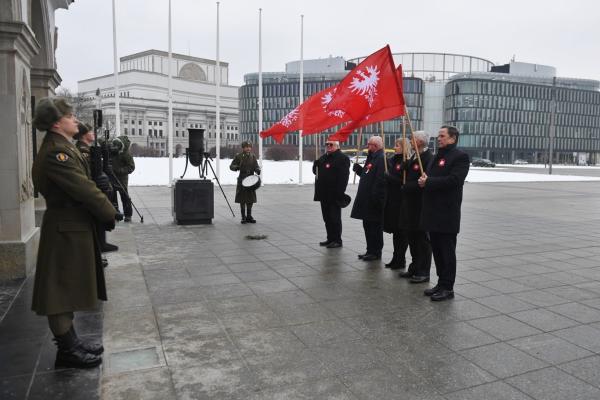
{"x":564,"y":34}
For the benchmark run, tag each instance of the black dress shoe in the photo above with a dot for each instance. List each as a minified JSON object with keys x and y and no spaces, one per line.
{"x":371,"y":257}
{"x":442,"y":295}
{"x":419,"y":279}
{"x":392,"y":262}
{"x":244,"y":220}
{"x":107,"y":247}
{"x":361,"y":256}
{"x":431,"y":291}
{"x":127,"y":218}
{"x":406,"y":274}
{"x":325,"y":243}
{"x":250,"y":220}
{"x":334,"y":245}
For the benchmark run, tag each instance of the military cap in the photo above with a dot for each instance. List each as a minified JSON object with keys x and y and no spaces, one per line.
{"x":49,"y":110}
{"x":246,"y":144}
{"x":83,"y":129}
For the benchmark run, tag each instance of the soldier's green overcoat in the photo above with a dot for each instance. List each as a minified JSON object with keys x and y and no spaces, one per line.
{"x":247,"y":164}
{"x":69,"y":274}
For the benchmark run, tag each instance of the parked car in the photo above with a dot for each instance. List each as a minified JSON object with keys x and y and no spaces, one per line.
{"x":482,"y":162}
{"x":520,"y":162}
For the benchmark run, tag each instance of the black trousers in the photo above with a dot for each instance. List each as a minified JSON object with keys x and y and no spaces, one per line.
{"x":443,"y":246}
{"x":400,"y":240}
{"x":332,"y":216}
{"x":420,"y":250}
{"x":374,"y":236}
{"x":120,"y":187}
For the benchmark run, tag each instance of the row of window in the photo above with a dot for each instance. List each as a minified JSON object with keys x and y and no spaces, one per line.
{"x":530,"y":143}
{"x":525,"y":130}
{"x":190,"y":125}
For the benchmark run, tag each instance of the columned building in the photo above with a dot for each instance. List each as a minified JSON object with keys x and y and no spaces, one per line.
{"x":143,"y":102}
{"x":28,"y":40}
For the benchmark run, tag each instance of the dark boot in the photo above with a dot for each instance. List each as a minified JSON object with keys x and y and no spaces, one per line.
{"x":70,"y":355}
{"x":243,"y":212}
{"x":249,"y":218}
{"x":107,"y":247}
{"x":89,"y":347}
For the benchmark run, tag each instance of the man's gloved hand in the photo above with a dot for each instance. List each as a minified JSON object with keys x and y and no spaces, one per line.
{"x":109,"y":226}
{"x":103,"y":183}
{"x":119,"y":217}
{"x":357,"y":168}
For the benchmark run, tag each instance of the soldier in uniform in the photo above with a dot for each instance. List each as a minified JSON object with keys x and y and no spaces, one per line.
{"x":85,"y":138}
{"x":246,"y":163}
{"x":69,"y":275}
{"x":332,"y":171}
{"x":122,"y":165}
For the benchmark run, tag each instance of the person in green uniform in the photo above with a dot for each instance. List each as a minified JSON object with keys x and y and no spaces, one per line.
{"x":85,"y":137}
{"x":122,"y":166}
{"x":69,"y":276}
{"x":246,"y":163}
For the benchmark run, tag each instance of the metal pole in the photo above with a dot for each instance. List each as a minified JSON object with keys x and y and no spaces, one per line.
{"x":170,"y":111}
{"x":116,"y":73}
{"x":260,"y":96}
{"x":218,"y":117}
{"x":301,"y":96}
{"x":552,"y":132}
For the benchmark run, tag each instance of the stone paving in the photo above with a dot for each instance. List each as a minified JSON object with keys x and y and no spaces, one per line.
{"x":201,"y":312}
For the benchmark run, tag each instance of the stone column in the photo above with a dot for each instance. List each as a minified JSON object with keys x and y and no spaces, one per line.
{"x":19,"y":236}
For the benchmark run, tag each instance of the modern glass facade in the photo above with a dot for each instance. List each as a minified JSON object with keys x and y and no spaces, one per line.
{"x":504,"y":118}
{"x":281,"y":94}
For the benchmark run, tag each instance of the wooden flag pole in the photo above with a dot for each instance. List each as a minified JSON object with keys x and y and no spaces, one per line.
{"x":317,"y":137}
{"x":385,"y":166}
{"x":358,"y":149}
{"x":414,"y":140}
{"x":404,"y":149}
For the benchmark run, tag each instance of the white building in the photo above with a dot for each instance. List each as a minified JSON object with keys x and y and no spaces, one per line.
{"x":143,"y":86}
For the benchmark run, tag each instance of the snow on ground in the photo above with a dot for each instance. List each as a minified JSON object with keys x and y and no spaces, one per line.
{"x":155,"y":172}
{"x":541,"y":166}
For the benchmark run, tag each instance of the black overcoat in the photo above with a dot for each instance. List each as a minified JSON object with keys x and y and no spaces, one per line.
{"x":412,"y":193}
{"x":332,"y":171}
{"x":393,"y":195}
{"x":443,"y":191}
{"x":370,"y":196}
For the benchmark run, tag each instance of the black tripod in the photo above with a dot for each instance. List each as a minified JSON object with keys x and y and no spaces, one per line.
{"x":203,"y":171}
{"x":117,"y":184}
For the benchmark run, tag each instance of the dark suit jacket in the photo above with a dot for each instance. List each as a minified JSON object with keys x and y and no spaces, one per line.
{"x":443,"y":191}
{"x":332,"y":171}
{"x":413,"y":194}
{"x":368,"y":204}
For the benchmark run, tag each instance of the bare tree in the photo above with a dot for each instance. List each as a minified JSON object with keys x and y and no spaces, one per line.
{"x":82,"y":106}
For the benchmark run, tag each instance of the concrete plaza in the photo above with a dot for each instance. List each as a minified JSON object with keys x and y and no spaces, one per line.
{"x":202,"y":312}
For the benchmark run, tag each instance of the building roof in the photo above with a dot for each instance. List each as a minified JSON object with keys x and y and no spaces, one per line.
{"x":175,"y":55}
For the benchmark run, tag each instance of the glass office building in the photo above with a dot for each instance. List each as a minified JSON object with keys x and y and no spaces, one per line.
{"x":510,"y":114}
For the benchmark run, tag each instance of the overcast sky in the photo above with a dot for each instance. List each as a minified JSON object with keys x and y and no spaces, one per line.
{"x":564,"y":34}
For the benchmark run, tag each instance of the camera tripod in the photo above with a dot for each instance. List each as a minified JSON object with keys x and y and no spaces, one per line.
{"x":205,"y":164}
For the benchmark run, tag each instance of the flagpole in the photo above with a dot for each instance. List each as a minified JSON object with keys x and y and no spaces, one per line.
{"x":301,"y":96}
{"x":260,"y":96}
{"x":385,"y":166}
{"x":170,"y":113}
{"x":218,"y":101}
{"x":404,"y":149}
{"x":358,"y":150}
{"x":116,"y":73}
{"x":413,"y":139}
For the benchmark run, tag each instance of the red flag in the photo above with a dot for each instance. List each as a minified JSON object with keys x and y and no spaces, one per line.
{"x":290,"y":122}
{"x":370,"y":87}
{"x":315,"y":117}
{"x":381,"y":115}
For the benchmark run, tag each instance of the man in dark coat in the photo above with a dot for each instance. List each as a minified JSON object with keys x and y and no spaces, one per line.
{"x":370,"y":197}
{"x":332,"y":171}
{"x":122,"y":165}
{"x":393,"y":206}
{"x":69,"y":275}
{"x":85,"y":138}
{"x":442,"y":198}
{"x":246,"y":163}
{"x":420,"y":249}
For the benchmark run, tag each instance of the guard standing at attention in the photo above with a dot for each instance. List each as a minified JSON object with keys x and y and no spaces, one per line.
{"x":247,"y":164}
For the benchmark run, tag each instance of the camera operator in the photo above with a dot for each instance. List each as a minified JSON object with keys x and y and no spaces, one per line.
{"x":85,"y":138}
{"x":122,"y":166}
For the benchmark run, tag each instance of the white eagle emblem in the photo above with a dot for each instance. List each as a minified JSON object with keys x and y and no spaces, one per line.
{"x":290,"y":118}
{"x":326,"y":99}
{"x":367,"y":86}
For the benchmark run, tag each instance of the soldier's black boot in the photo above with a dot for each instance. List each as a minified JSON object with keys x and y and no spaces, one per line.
{"x":249,"y":217}
{"x":243,"y":211}
{"x":89,"y":347}
{"x":70,"y":355}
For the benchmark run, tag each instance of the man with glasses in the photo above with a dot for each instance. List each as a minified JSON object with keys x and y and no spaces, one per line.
{"x":331,"y":178}
{"x":368,"y":205}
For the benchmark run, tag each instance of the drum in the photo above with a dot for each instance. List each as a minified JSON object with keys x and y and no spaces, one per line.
{"x":251,"y":182}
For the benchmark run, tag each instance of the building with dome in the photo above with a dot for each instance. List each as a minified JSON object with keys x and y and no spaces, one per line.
{"x":143,"y":87}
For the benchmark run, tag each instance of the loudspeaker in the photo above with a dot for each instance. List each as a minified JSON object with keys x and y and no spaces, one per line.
{"x":193,"y":202}
{"x":196,"y":145}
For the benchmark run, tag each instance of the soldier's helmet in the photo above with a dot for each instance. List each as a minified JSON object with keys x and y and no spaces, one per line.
{"x":49,"y":110}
